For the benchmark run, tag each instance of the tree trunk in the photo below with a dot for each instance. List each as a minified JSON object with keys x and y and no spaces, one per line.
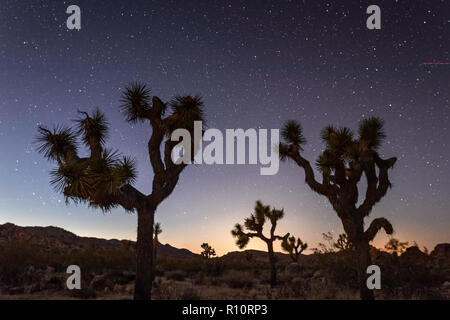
{"x":273,"y":268}
{"x":144,"y":254}
{"x":155,"y":248}
{"x":363,"y":261}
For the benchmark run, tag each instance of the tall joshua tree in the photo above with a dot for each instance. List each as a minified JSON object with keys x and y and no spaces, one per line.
{"x":208,"y":251}
{"x":343,"y":163}
{"x":156,"y":232}
{"x":104,"y":180}
{"x":255,"y":224}
{"x":294,"y":247}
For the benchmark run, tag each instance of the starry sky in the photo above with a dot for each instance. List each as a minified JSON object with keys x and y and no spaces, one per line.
{"x":256,"y":64}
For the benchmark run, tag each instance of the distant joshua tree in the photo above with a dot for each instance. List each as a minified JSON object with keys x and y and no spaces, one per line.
{"x":342,"y":164}
{"x":104,"y":180}
{"x":343,"y":243}
{"x":294,"y":247}
{"x":255,"y":224}
{"x":395,"y":246}
{"x":156,"y":232}
{"x":208,"y":251}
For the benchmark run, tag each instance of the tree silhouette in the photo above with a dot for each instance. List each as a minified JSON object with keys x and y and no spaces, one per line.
{"x":104,"y":179}
{"x":156,"y":232}
{"x":255,"y":224}
{"x":343,"y":243}
{"x":294,"y":247}
{"x":395,"y":246}
{"x":342,"y":164}
{"x":208,"y":251}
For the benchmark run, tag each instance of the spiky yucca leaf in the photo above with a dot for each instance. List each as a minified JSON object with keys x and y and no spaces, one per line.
{"x":261,"y":212}
{"x":324,"y":163}
{"x":238,"y":229}
{"x":302,"y":245}
{"x":93,"y":127}
{"x":95,"y":181}
{"x":108,"y":173}
{"x":288,"y":245}
{"x":70,"y":177}
{"x":135,"y":102}
{"x":371,"y":132}
{"x":255,"y":222}
{"x":340,"y":141}
{"x":283,"y":151}
{"x":185,"y":110}
{"x":242,"y":239}
{"x":292,"y":132}
{"x":326,"y":133}
{"x":275,"y":215}
{"x":53,"y":144}
{"x":126,"y":171}
{"x":353,"y":151}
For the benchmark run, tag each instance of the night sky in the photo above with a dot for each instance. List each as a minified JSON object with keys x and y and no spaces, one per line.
{"x":256,"y":64}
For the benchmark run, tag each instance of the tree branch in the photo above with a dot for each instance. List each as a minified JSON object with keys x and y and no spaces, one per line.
{"x":309,"y":174}
{"x":376,"y":225}
{"x":376,"y":187}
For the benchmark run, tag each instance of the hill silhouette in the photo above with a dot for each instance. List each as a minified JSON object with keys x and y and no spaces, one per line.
{"x":56,"y":239}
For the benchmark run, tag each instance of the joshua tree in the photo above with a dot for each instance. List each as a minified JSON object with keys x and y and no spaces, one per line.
{"x":343,"y":243}
{"x":156,"y":232}
{"x":255,"y":224}
{"x":395,"y":246}
{"x":104,"y":180}
{"x":342,"y":164}
{"x":294,"y":247}
{"x":208,"y":251}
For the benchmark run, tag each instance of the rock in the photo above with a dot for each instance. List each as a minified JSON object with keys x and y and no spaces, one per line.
{"x":100,"y":283}
{"x":294,"y":268}
{"x":441,"y":255}
{"x":413,"y":255}
{"x":442,"y":250}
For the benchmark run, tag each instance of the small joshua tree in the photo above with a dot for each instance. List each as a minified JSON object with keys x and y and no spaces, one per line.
{"x":156,"y":232}
{"x":255,"y":224}
{"x":208,"y":251}
{"x":343,"y":163}
{"x":294,"y":247}
{"x":104,"y":180}
{"x":343,"y":243}
{"x":395,"y":246}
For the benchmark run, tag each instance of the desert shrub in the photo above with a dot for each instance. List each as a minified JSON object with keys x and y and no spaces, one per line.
{"x":214,"y":267}
{"x":339,"y":267}
{"x":176,"y":275}
{"x":158,"y":272}
{"x":199,"y":279}
{"x":239,"y":280}
{"x":83,"y":293}
{"x":191,"y":265}
{"x":189,"y":293}
{"x":15,"y":260}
